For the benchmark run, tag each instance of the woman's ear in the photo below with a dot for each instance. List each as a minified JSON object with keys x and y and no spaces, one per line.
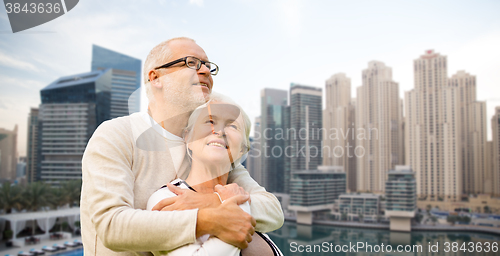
{"x":244,"y":149}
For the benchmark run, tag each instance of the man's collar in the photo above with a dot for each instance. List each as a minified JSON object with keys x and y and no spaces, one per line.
{"x":158,"y":128}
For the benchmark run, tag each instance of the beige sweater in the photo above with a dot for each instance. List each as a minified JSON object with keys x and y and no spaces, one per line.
{"x":124,"y":163}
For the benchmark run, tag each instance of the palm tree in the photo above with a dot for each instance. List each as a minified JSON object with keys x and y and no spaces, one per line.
{"x":11,"y":197}
{"x":434,"y":220}
{"x":360,"y":217}
{"x":343,"y":216}
{"x":57,"y":198}
{"x":429,"y":207}
{"x":486,"y":209}
{"x":37,"y":195}
{"x":72,"y":190}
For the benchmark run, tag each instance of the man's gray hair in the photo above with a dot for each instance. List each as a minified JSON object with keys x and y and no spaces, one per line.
{"x":157,"y":57}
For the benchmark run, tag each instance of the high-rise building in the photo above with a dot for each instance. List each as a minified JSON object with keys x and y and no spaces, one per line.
{"x":317,"y":187}
{"x":495,"y":173}
{"x":288,"y":160}
{"x":250,"y":161}
{"x":473,"y":133}
{"x":401,"y":198}
{"x":32,"y":146}
{"x":305,"y":135}
{"x":8,"y":154}
{"x":339,"y":130}
{"x":360,"y":205}
{"x":272,"y":140}
{"x":378,"y":126}
{"x":21,"y":168}
{"x":72,"y":108}
{"x":126,"y":79}
{"x":432,"y":128}
{"x":488,"y":178}
{"x":255,"y":153}
{"x":315,"y":190}
{"x":401,"y":190}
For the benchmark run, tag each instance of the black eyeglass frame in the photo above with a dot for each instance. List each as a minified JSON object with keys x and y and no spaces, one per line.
{"x":197,"y":68}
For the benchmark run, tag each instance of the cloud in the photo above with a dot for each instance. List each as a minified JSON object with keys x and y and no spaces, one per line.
{"x":290,"y":14}
{"x":12,"y":83}
{"x":12,"y":62}
{"x":199,"y":3}
{"x":2,"y":105}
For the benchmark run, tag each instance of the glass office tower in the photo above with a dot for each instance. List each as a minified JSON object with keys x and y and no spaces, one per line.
{"x":306,"y":124}
{"x":72,"y":108}
{"x":126,"y":79}
{"x":273,"y":119}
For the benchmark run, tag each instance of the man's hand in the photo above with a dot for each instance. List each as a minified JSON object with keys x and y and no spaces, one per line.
{"x":186,"y":200}
{"x":228,"y":222}
{"x":230,"y":190}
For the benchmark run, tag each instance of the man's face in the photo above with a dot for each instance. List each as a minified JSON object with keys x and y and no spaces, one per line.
{"x":182,"y":85}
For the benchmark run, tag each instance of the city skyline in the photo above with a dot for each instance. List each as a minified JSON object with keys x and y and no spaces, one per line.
{"x":381,"y":75}
{"x":286,"y":32}
{"x":442,"y":135}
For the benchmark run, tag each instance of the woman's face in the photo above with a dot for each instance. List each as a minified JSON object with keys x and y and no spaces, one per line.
{"x":217,"y":136}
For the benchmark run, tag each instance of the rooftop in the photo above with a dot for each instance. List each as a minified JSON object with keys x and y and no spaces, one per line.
{"x":67,"y":81}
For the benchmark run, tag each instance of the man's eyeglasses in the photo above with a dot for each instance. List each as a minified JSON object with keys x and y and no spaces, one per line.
{"x":194,"y":63}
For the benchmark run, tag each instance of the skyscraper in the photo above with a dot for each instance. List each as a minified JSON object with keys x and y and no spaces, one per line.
{"x":339,"y":130}
{"x":32,"y":146}
{"x":433,"y":127}
{"x":126,"y":78}
{"x":495,"y":129}
{"x":306,"y":125}
{"x":272,"y":125}
{"x":473,"y":133}
{"x":8,"y":154}
{"x":378,"y":127}
{"x":255,"y":154}
{"x":488,"y":179}
{"x":72,"y":108}
{"x":315,"y":190}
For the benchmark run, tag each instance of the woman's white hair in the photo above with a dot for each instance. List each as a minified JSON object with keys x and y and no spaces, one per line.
{"x":217,"y":97}
{"x":157,"y":57}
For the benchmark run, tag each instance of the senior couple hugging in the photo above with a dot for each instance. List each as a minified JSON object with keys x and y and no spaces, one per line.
{"x":169,"y":181}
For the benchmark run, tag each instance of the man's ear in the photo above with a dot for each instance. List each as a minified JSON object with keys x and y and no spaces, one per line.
{"x":153,"y":76}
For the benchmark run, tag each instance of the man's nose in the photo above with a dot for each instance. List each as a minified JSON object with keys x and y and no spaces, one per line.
{"x":204,"y":70}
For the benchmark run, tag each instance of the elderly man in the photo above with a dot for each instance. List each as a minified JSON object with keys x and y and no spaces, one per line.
{"x":128,"y":158}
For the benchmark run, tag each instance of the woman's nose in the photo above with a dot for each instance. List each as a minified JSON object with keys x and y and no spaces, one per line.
{"x":217,"y":130}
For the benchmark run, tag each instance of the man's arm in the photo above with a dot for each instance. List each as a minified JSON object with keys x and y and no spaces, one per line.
{"x":226,"y":221}
{"x":266,"y":209}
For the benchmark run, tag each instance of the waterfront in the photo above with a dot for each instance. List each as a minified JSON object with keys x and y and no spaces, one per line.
{"x":291,"y":236}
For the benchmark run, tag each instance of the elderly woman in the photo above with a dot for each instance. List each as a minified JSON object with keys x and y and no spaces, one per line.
{"x":217,"y":139}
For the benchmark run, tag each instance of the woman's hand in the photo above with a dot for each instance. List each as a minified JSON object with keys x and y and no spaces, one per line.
{"x":230,"y":190}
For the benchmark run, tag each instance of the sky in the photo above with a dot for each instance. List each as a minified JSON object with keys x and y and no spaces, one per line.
{"x":257,"y":44}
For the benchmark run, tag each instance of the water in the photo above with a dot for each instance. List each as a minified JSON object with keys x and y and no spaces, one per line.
{"x":329,"y":241}
{"x":303,"y":235}
{"x":77,"y":252}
